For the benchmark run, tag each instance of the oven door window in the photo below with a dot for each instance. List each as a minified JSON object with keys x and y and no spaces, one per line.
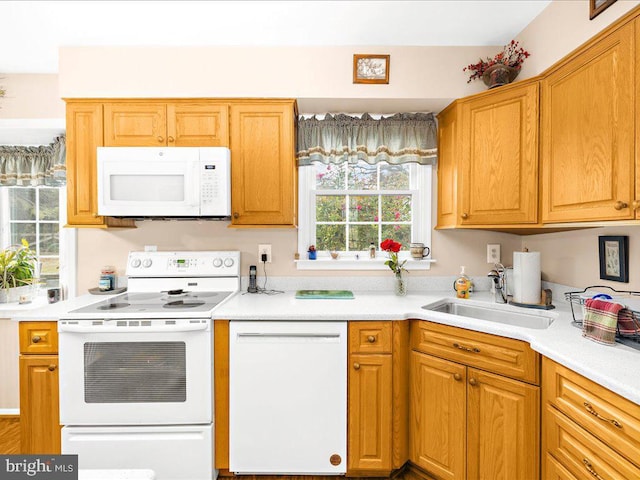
{"x":135,"y":372}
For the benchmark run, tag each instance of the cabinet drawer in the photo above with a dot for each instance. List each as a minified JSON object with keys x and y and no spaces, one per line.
{"x":504,"y":356}
{"x":613,"y":419}
{"x":555,"y":471}
{"x":370,"y":337}
{"x":581,"y":453}
{"x":38,"y":337}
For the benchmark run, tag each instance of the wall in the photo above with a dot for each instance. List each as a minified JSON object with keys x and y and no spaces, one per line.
{"x":421,"y":78}
{"x":30,"y":96}
{"x":560,"y":28}
{"x":571,"y":258}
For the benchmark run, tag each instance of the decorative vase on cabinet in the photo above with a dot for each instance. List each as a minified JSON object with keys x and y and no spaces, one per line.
{"x":499,"y":74}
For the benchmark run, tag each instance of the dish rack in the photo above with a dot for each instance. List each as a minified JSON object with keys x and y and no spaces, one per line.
{"x":578,"y":298}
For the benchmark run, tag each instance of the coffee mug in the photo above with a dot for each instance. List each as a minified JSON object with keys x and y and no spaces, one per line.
{"x":419,"y":251}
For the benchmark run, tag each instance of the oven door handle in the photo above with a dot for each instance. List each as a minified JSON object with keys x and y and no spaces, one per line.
{"x":127,"y":329}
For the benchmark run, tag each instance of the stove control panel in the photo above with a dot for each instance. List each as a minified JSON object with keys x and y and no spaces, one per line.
{"x":180,"y":264}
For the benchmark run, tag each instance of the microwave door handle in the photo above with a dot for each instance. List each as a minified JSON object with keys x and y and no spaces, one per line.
{"x":195,"y":192}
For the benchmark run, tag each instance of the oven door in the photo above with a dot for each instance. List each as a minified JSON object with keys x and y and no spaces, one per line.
{"x":148,"y":181}
{"x":125,"y":372}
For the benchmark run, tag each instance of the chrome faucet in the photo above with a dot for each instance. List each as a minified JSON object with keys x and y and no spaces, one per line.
{"x":499,"y":276}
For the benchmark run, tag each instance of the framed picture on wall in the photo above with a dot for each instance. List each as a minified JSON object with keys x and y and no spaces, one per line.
{"x":596,"y":7}
{"x":371,"y":68}
{"x":614,"y":258}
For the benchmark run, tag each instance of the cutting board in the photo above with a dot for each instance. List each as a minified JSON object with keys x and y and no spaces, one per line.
{"x":325,"y":294}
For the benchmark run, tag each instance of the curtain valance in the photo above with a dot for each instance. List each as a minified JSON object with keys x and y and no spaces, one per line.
{"x":32,"y":166}
{"x":401,"y":138}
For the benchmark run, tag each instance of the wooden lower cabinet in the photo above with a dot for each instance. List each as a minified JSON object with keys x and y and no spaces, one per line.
{"x":39,"y":393}
{"x":377,"y":431}
{"x":467,"y":423}
{"x":370,"y":410}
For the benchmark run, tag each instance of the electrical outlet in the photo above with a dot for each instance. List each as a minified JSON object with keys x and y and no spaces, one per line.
{"x":264,"y":249}
{"x":493,"y":253}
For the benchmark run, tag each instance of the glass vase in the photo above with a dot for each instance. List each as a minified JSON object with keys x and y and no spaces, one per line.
{"x":400,"y":285}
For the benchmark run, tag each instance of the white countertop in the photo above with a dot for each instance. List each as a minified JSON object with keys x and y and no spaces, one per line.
{"x":615,"y":367}
{"x":43,"y":311}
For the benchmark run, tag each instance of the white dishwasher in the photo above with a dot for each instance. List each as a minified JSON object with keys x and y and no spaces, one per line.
{"x":288,"y":397}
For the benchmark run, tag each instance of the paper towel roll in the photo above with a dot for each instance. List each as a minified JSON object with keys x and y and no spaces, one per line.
{"x":526,"y":277}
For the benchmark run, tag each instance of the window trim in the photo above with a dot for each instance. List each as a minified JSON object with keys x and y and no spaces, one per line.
{"x":348,"y":261}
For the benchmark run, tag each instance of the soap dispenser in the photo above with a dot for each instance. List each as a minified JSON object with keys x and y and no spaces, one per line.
{"x":462,"y":284}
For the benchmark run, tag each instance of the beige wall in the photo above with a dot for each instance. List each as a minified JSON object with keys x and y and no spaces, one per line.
{"x":9,"y":352}
{"x":110,"y":247}
{"x":560,"y":28}
{"x":421,"y":78}
{"x":30,"y":96}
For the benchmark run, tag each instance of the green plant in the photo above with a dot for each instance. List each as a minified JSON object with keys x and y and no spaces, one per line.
{"x":17,"y":266}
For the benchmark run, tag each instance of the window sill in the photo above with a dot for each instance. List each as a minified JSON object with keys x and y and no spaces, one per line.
{"x":362,"y":264}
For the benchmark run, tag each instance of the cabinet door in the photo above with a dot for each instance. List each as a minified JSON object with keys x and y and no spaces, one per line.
{"x":370,"y":412}
{"x":503,"y":432}
{"x":588,"y":133}
{"x":135,"y":124}
{"x":499,"y":149}
{"x":84,"y":136}
{"x":197,"y":125}
{"x":447,"y":167}
{"x":263,"y":164}
{"x":438,"y":416}
{"x":39,"y":417}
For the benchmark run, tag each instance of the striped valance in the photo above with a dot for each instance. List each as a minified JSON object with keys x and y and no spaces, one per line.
{"x":32,"y":166}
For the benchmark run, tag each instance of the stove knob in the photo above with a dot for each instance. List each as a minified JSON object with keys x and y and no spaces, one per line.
{"x":135,"y":263}
{"x":217,"y":262}
{"x":228,"y":262}
{"x":146,"y":263}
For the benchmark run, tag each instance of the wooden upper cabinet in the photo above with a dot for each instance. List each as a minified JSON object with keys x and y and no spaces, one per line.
{"x":263,"y":166}
{"x":499,"y":153}
{"x":447,"y":166}
{"x":152,"y":124}
{"x":84,"y":136}
{"x":587,"y":139}
{"x":135,"y":124}
{"x":197,"y":125}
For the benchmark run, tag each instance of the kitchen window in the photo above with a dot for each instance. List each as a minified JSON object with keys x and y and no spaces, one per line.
{"x":346,"y":207}
{"x":362,"y":180}
{"x":38,"y":215}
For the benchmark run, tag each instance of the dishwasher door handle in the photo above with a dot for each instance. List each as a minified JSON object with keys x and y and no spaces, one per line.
{"x":310,"y":337}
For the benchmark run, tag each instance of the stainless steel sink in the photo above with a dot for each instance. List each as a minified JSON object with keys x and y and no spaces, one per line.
{"x":517,"y":319}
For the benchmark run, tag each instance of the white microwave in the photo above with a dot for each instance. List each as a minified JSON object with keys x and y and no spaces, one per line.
{"x":164,"y":181}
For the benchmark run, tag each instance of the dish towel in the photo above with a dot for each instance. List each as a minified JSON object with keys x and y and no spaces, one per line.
{"x":600,"y":320}
{"x":628,"y":323}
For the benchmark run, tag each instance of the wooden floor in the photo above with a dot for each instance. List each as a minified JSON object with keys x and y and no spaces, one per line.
{"x":9,"y":435}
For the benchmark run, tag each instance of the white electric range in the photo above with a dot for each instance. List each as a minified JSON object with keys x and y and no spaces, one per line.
{"x":136,"y":369}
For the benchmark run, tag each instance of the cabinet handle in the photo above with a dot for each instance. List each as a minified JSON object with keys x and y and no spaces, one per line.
{"x":95,"y":215}
{"x":593,"y":412}
{"x":635,"y":204}
{"x":620,"y":205}
{"x":473,"y":381}
{"x":51,"y":368}
{"x":590,"y":469}
{"x":160,"y":139}
{"x":465,"y":216}
{"x":236,"y":215}
{"x":457,"y":376}
{"x":36,"y":339}
{"x":171,"y":139}
{"x":356,"y":366}
{"x":467,"y":349}
{"x":371,"y":339}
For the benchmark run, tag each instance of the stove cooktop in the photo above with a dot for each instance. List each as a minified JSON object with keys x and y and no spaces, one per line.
{"x":169,"y":303}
